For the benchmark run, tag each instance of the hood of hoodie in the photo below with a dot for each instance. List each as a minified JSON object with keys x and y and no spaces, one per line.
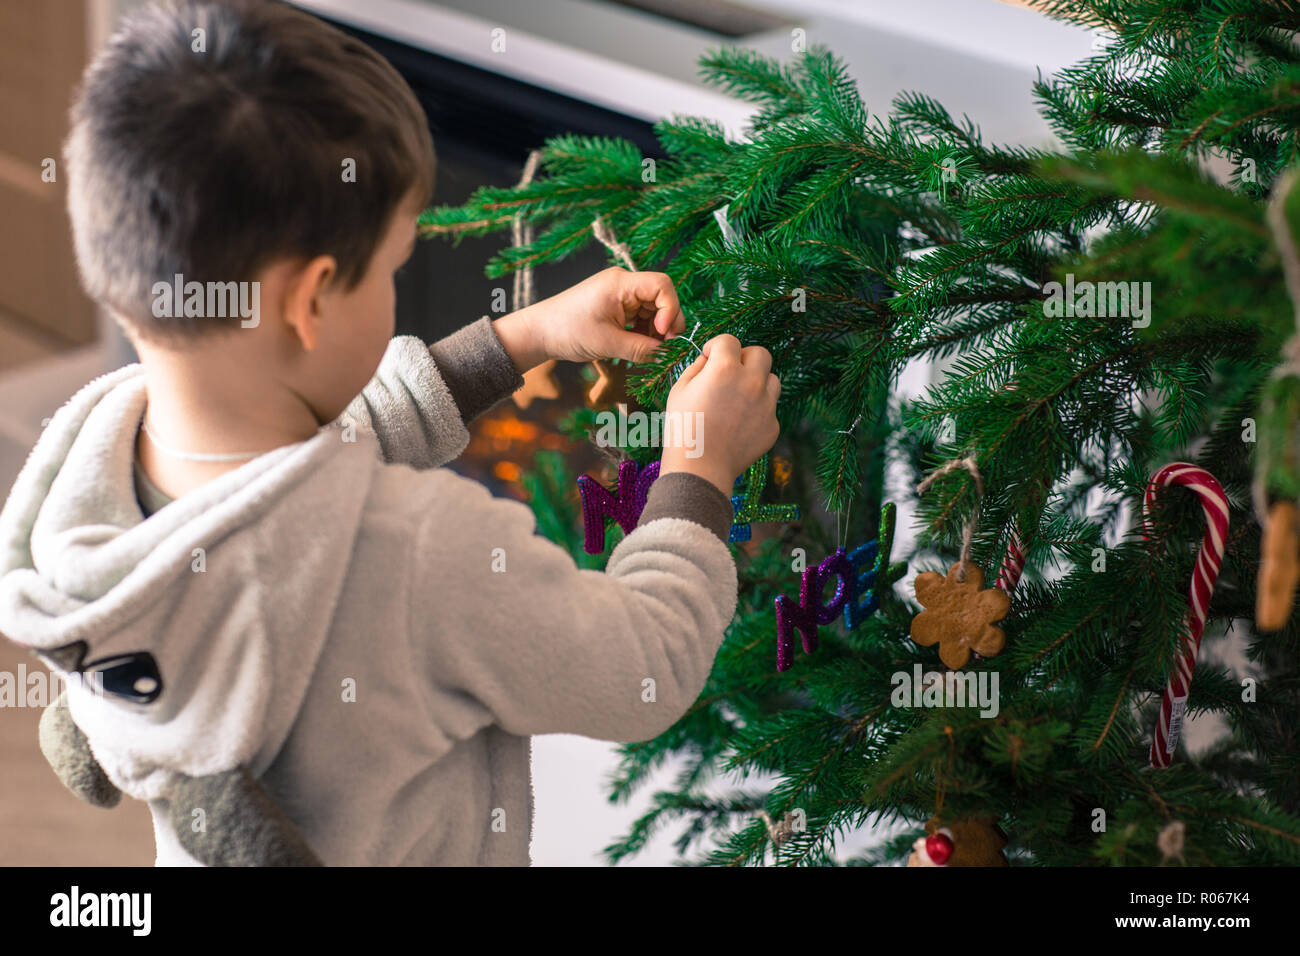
{"x":226,"y":594}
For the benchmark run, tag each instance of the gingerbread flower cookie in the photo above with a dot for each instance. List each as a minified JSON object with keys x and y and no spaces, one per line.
{"x":959,"y":615}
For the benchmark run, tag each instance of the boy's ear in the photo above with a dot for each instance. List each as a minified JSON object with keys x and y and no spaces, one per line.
{"x":305,"y":289}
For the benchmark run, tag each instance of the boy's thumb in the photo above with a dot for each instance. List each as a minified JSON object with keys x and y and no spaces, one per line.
{"x":692,"y":370}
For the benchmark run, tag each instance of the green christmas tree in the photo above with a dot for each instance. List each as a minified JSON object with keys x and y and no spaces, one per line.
{"x":850,"y":245}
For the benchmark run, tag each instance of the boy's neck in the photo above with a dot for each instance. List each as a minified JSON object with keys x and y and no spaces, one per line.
{"x":212,"y":401}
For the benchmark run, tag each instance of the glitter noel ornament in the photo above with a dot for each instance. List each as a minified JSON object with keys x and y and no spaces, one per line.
{"x":857,"y":593}
{"x":880,"y":575}
{"x":747,"y":508}
{"x":809,"y":613}
{"x":624,"y":505}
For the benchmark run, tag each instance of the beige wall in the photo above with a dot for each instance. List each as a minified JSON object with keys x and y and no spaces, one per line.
{"x":42,"y":52}
{"x":43,"y":48}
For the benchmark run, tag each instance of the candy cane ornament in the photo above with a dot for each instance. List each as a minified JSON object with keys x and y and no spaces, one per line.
{"x":1215,"y":505}
{"x":1013,"y":563}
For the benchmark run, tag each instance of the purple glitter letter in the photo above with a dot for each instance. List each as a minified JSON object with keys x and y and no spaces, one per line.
{"x":810,"y":612}
{"x":626,"y":508}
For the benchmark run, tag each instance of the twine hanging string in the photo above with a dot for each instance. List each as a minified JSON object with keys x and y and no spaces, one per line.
{"x":605,"y":235}
{"x":620,"y":251}
{"x":538,"y":381}
{"x":521,"y":234}
{"x":968,"y":535}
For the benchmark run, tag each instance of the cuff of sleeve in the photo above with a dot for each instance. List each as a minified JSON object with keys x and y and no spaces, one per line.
{"x":683,"y":495}
{"x":476,"y":367}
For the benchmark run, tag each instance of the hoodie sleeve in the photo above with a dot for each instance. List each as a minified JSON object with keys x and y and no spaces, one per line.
{"x":547,"y":647}
{"x":421,"y":397}
{"x":476,"y":367}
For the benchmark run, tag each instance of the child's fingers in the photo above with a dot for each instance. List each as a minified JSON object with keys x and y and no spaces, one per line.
{"x":723,"y":346}
{"x":656,"y":288}
{"x":676,"y":324}
{"x":756,"y":357}
{"x":633,"y":346}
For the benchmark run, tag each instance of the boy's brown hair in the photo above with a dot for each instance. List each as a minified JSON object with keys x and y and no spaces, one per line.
{"x":210,"y":138}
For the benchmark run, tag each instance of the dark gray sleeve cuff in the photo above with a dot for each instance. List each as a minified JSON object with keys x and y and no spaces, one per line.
{"x":680,"y":494}
{"x":476,"y":367}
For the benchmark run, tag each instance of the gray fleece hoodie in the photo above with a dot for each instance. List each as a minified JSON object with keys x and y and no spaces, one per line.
{"x":328,"y":615}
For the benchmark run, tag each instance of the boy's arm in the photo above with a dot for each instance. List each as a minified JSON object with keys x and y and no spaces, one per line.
{"x":547,"y":647}
{"x":421,"y":397}
{"x":476,"y":367}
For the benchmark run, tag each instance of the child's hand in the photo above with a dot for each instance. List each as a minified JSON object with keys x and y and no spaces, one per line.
{"x":730,"y":394}
{"x":586,"y":321}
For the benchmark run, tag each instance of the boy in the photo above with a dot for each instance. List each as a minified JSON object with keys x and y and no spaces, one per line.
{"x":246,"y":538}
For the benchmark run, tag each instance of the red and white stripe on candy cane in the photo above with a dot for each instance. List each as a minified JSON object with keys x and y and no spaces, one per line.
{"x":1215,"y":505}
{"x":1013,"y":563}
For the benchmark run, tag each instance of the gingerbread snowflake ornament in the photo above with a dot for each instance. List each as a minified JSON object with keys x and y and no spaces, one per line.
{"x":959,"y":615}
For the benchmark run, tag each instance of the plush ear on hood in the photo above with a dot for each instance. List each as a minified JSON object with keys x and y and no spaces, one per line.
{"x":67,"y":751}
{"x":243,"y":826}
